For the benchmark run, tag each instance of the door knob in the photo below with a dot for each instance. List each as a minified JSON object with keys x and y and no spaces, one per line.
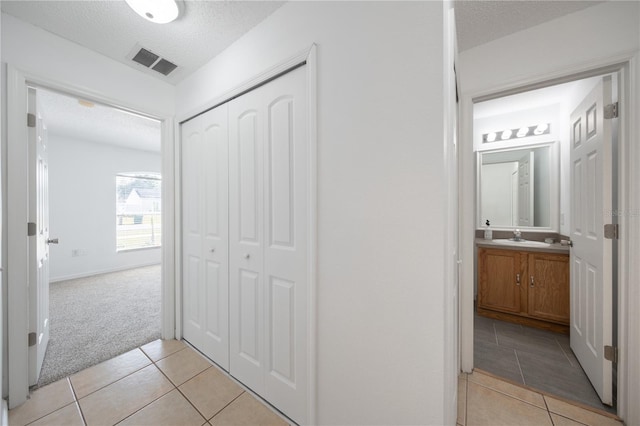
{"x":52,"y":241}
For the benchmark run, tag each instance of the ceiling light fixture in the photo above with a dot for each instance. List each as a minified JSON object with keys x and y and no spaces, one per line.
{"x":541,"y":129}
{"x":522,"y":132}
{"x":158,"y":11}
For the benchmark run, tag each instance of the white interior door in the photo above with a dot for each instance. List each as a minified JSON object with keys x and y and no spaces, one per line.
{"x":591,"y":255}
{"x":514,"y":197}
{"x":525,"y":190}
{"x":205,"y":234}
{"x":38,"y":239}
{"x":269,"y":250}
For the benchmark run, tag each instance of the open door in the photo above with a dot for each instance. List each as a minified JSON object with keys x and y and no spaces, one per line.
{"x":591,"y":254}
{"x":38,"y":238}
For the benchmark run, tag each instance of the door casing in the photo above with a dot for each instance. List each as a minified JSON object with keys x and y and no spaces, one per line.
{"x":17,"y":217}
{"x":629,"y":189}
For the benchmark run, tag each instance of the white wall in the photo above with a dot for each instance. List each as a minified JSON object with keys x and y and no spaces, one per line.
{"x":82,"y":205}
{"x":381,"y":198}
{"x":41,"y":53}
{"x":601,"y":34}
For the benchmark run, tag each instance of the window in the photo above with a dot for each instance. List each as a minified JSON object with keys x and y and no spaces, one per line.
{"x":138,"y":211}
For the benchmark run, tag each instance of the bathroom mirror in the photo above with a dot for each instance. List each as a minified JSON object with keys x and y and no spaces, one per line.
{"x":518,"y":188}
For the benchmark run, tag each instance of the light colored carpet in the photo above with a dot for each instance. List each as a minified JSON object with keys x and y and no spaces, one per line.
{"x":96,"y":318}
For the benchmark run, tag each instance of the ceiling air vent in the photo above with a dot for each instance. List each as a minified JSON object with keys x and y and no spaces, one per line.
{"x":152,"y":61}
{"x":146,"y":58}
{"x":164,"y":67}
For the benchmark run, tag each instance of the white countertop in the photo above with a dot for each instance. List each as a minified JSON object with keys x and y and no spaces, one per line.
{"x":552,"y":248}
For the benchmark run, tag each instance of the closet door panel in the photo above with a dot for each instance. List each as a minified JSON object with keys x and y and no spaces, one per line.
{"x":205,"y":234}
{"x":246,"y":302}
{"x":286,"y":185}
{"x":268,"y":219}
{"x":215,"y":299}
{"x":192,"y":231}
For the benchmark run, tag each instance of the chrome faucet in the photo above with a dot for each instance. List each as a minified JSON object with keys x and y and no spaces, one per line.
{"x":517,"y":235}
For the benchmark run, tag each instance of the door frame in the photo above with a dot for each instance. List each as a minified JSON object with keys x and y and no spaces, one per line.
{"x":17,"y":217}
{"x":308,"y":58}
{"x":627,"y":67}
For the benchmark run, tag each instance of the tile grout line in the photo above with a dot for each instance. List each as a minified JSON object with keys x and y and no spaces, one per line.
{"x":519,"y":367}
{"x":133,"y":372}
{"x":110,"y":383}
{"x":548,"y":411}
{"x":77,"y":400}
{"x":563,"y":351}
{"x":191,"y":403}
{"x":161,"y":372}
{"x":151,"y":402}
{"x":223,"y":408}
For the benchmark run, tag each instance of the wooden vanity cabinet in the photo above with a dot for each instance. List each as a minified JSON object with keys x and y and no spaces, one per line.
{"x":530,"y":288}
{"x":500,"y":276}
{"x":548,"y":287}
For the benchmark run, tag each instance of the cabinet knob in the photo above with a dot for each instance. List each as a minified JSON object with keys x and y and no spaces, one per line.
{"x":517,"y":279}
{"x":247,"y":256}
{"x":531,"y":280}
{"x":212,"y":250}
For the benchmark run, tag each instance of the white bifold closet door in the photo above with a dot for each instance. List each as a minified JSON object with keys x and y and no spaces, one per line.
{"x":268,"y":241}
{"x":205,"y":239}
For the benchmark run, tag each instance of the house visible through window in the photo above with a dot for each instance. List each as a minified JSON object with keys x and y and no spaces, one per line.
{"x":138,"y":212}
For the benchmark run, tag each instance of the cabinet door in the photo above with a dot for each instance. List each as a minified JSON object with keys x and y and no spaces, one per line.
{"x":548,"y":292}
{"x":500,"y":273}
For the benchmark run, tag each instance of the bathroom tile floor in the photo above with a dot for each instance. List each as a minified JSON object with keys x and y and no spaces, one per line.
{"x":539,"y":359}
{"x":486,"y":400}
{"x":162,"y":383}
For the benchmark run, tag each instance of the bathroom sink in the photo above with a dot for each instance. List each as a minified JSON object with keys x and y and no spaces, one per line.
{"x":526,"y":243}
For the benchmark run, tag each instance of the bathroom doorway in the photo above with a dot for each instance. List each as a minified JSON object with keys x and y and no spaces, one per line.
{"x":530,"y":305}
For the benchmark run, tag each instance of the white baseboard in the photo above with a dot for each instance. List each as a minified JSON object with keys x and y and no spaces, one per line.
{"x":98,"y":272}
{"x":5,"y":413}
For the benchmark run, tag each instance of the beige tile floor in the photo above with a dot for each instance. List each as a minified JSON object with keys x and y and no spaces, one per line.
{"x":487,"y":400}
{"x":162,"y":383}
{"x":168,"y":383}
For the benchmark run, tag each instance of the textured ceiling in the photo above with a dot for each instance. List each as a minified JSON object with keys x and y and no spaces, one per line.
{"x":64,"y":116}
{"x":481,"y":21}
{"x":545,"y":96}
{"x":111,"y":28}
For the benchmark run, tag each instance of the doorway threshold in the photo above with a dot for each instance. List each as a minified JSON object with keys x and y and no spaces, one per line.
{"x":484,"y":398}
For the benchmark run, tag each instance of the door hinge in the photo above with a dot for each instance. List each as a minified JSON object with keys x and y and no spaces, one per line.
{"x":32,"y":339}
{"x":611,"y":353}
{"x":611,"y":111}
{"x":611,"y":231}
{"x":31,"y":229}
{"x":31,"y":120}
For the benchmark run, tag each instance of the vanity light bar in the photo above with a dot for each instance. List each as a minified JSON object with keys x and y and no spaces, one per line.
{"x":522,"y":132}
